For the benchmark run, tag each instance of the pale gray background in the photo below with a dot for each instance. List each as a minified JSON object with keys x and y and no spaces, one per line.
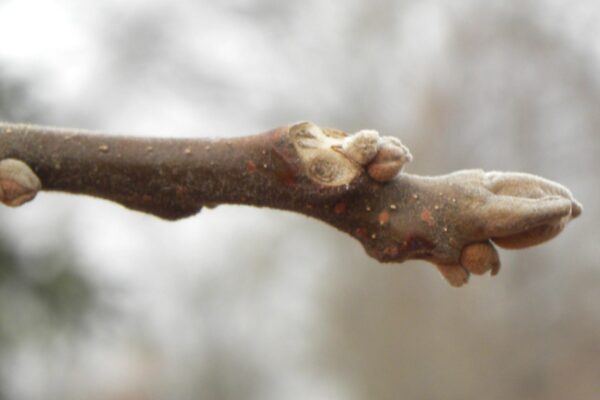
{"x":242,"y":303}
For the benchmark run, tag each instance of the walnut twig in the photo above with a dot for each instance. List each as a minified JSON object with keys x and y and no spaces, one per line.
{"x":352,"y":182}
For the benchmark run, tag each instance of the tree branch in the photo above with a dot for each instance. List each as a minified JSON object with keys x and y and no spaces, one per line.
{"x":352,"y":182}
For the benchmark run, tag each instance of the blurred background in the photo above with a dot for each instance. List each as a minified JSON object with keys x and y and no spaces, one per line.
{"x":99,"y":302}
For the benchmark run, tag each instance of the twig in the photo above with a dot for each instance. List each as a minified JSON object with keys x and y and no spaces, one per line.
{"x":352,"y":182}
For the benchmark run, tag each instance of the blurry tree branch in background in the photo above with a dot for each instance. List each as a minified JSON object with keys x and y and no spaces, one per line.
{"x":352,"y":182}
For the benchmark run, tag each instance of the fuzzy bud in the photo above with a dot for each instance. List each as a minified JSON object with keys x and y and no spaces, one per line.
{"x":18,"y":183}
{"x":362,"y":146}
{"x":479,"y":258}
{"x":390,"y":158}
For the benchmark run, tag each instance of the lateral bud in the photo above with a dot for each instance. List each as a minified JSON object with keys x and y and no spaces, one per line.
{"x":18,"y":183}
{"x":362,"y":146}
{"x":389,"y":160}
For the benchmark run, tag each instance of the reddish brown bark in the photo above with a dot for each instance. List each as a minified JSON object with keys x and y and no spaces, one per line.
{"x":350,"y":182}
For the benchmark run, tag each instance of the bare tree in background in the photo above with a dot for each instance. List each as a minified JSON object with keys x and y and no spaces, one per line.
{"x":508,"y":90}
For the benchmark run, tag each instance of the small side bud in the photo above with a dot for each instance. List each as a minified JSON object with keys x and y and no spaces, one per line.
{"x":362,"y":146}
{"x":479,"y":258}
{"x":390,"y":158}
{"x":18,"y":183}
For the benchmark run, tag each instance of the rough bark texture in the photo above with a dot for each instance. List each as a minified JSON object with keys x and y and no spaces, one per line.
{"x":352,"y":182}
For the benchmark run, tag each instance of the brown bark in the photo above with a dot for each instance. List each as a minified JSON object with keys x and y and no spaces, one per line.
{"x":351,"y":182}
